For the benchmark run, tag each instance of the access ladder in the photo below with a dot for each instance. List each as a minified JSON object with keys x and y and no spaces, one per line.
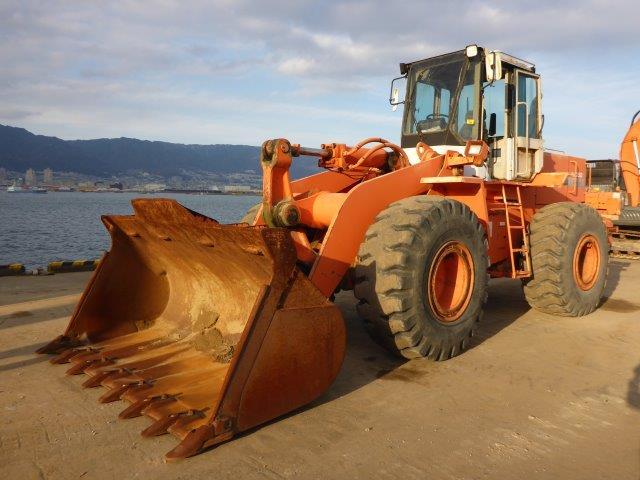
{"x":512,"y":204}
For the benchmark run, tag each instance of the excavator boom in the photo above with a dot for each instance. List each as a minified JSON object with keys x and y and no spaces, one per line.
{"x":630,"y":161}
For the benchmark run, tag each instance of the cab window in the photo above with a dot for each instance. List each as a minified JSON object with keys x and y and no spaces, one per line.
{"x":494,"y":104}
{"x":467,"y":114}
{"x":527,"y":106}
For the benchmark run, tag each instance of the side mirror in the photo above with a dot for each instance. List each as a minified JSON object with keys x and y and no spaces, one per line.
{"x":395,"y":98}
{"x":492,"y":124}
{"x":493,"y":66}
{"x":394,"y":95}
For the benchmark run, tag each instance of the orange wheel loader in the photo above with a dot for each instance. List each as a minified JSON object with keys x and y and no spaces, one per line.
{"x":210,"y":330}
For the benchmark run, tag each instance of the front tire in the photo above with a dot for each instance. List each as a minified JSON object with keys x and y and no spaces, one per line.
{"x":421,"y":277}
{"x":569,"y":258}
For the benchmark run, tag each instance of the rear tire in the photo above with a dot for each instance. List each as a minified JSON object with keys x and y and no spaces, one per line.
{"x":405,"y":271}
{"x":569,"y":258}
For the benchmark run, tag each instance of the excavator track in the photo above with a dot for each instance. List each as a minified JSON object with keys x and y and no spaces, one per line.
{"x":625,"y":244}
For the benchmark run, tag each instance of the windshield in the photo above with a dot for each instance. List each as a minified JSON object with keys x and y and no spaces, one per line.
{"x":443,"y":105}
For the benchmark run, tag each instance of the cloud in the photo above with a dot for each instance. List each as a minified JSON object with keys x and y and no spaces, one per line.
{"x":296,"y":66}
{"x":235,"y":70}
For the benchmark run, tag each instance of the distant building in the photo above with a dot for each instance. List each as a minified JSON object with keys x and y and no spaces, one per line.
{"x":153,"y":187}
{"x":86,"y":186}
{"x":237,"y":188}
{"x":30,"y":177}
{"x":176,"y":182}
{"x":3,"y":175}
{"x":116,"y":185}
{"x":48,"y":176}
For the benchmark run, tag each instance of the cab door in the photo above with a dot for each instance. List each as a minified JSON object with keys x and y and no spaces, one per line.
{"x":525,"y":147}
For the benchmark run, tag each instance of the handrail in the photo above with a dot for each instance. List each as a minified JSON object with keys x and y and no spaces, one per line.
{"x":526,"y":126}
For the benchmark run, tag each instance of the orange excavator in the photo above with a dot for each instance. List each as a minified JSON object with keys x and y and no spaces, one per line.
{"x":210,"y":330}
{"x":614,"y":190}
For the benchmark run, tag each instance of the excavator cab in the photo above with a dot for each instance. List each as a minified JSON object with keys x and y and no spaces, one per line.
{"x":475,"y":94}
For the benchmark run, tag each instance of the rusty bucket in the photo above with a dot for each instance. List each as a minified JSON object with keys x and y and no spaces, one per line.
{"x":207,"y":329}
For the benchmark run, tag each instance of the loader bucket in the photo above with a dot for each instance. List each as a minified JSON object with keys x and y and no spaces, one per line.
{"x":207,"y":329}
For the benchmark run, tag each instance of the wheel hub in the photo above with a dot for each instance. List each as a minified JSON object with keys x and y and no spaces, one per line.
{"x":586,"y":262}
{"x":450,"y":281}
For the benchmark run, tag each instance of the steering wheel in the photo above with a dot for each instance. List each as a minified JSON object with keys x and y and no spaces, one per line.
{"x":436,"y":115}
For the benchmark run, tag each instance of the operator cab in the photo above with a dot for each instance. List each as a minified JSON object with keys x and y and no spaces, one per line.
{"x":475,"y":94}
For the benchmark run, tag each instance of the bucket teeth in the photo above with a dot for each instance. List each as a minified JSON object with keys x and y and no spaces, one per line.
{"x":116,"y":393}
{"x":137,"y":392}
{"x":59,"y":344}
{"x":97,"y":379}
{"x":64,"y":356}
{"x":184,"y":420}
{"x":160,"y":427}
{"x":80,"y":367}
{"x":110,"y":381}
{"x":192,"y":444}
{"x":136,"y":408}
{"x":84,"y":355}
{"x":161,"y":401}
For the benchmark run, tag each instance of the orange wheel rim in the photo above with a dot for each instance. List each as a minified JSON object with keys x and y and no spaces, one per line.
{"x":450,"y":281}
{"x":586,"y":262}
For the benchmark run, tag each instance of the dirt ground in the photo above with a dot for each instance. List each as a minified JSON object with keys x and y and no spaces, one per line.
{"x":536,"y":397}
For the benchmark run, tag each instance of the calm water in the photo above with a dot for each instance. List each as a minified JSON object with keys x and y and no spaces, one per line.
{"x":37,"y":229}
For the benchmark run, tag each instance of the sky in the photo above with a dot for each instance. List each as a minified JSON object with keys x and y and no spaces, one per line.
{"x":240,"y":72}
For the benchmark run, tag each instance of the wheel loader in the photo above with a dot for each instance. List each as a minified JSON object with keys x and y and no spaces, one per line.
{"x":211,"y":330}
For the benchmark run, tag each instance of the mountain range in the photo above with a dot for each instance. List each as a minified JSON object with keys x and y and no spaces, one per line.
{"x":106,"y":157}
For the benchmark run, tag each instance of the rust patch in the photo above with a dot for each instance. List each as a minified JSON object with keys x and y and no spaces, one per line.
{"x":144,"y":324}
{"x":212,"y":342}
{"x":209,"y":339}
{"x":206,"y":320}
{"x":619,"y":306}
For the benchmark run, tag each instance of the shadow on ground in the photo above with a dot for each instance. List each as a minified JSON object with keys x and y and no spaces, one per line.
{"x":36,"y":314}
{"x":617,"y":305}
{"x":19,"y":352}
{"x":23,"y":350}
{"x":633,"y":393}
{"x":366,"y":361}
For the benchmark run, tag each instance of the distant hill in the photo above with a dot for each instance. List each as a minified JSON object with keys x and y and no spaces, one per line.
{"x":21,"y":149}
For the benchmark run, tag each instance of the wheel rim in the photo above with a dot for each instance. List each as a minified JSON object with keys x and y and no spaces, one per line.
{"x":450,"y":281}
{"x":586,"y":262}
